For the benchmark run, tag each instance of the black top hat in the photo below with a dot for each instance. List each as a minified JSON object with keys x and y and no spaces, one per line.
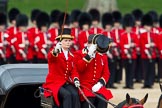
{"x":117,"y":16}
{"x":128,"y":20}
{"x":61,"y":19}
{"x":34,"y":14}
{"x":74,"y":15}
{"x":95,"y":14}
{"x":154,"y":16}
{"x":3,"y":19}
{"x":107,"y":19}
{"x":138,"y":14}
{"x":66,"y":33}
{"x":54,"y":16}
{"x":42,"y":20}
{"x":147,"y":20}
{"x":102,"y":42}
{"x":84,"y":18}
{"x":13,"y":13}
{"x":21,"y":20}
{"x":160,"y":20}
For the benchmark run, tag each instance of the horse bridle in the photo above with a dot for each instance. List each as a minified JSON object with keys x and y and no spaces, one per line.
{"x":134,"y":106}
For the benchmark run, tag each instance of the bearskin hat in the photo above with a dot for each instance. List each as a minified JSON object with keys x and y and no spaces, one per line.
{"x":42,"y":20}
{"x":160,"y":21}
{"x":107,"y":19}
{"x":61,"y":19}
{"x":21,"y":20}
{"x":95,"y":14}
{"x":147,"y":20}
{"x":74,"y":15}
{"x":54,"y":16}
{"x":3,"y":18}
{"x":34,"y":14}
{"x":138,"y":14}
{"x":66,"y":33}
{"x":154,"y":16}
{"x":13,"y":13}
{"x":84,"y":18}
{"x":128,"y":20}
{"x":117,"y":16}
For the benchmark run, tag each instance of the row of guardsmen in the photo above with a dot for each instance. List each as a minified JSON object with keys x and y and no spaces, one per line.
{"x":136,"y":40}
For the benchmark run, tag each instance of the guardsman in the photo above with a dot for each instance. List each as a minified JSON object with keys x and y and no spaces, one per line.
{"x":42,"y":40}
{"x":129,"y":44}
{"x":148,"y":44}
{"x":3,"y":37}
{"x":138,"y":14}
{"x":53,"y":30}
{"x":159,"y":75}
{"x":84,"y":24}
{"x":117,"y":30}
{"x":62,"y":73}
{"x":107,"y":23}
{"x":92,"y":66}
{"x":95,"y":29}
{"x":12,"y":30}
{"x":34,"y":30}
{"x":24,"y":43}
{"x":75,"y":27}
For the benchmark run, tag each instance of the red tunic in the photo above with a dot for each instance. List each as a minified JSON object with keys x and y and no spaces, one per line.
{"x":83,"y":39}
{"x":60,"y":71}
{"x":145,"y":40}
{"x":125,"y":41}
{"x":96,"y":30}
{"x":90,"y":72}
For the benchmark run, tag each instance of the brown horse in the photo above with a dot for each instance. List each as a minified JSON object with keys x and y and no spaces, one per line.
{"x":132,"y":102}
{"x":160,"y":98}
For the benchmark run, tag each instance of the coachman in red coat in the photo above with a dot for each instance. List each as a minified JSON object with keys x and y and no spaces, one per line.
{"x":94,"y":72}
{"x":62,"y":73}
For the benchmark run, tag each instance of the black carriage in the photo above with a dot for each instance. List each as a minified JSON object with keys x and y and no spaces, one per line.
{"x":19,"y":83}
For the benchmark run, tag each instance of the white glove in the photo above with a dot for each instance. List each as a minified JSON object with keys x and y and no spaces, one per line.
{"x":58,"y":47}
{"x":96,"y":87}
{"x":77,"y":83}
{"x":92,"y":49}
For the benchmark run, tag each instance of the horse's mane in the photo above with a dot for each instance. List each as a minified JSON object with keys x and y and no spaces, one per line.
{"x":159,"y":101}
{"x":121,"y":104}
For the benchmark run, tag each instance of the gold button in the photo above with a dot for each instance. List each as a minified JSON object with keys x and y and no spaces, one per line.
{"x":66,"y":68}
{"x":95,"y":64}
{"x":66,"y":71}
{"x":94,"y":75}
{"x":94,"y":71}
{"x":94,"y":67}
{"x":93,"y":79}
{"x":67,"y":65}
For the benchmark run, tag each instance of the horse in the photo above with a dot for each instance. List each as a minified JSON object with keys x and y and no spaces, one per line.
{"x":132,"y":102}
{"x":160,"y":98}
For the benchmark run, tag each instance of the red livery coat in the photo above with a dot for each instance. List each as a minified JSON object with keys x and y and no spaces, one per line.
{"x":144,"y":41}
{"x":60,"y":71}
{"x":90,"y":72}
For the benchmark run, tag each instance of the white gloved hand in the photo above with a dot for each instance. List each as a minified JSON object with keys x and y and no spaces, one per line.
{"x":92,"y":49}
{"x":77,"y":83}
{"x":96,"y":87}
{"x":58,"y":47}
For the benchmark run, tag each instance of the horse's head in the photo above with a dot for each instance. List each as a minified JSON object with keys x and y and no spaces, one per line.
{"x":160,"y":99}
{"x":132,"y":102}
